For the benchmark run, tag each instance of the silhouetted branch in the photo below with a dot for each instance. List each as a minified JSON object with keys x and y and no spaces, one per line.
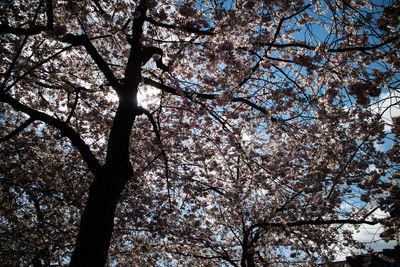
{"x":148,"y":52}
{"x":333,"y":50}
{"x":163,"y":153}
{"x":12,"y":65}
{"x":266,"y":225}
{"x":173,"y":91}
{"x":76,"y":140}
{"x":71,"y":113}
{"x":17,"y":130}
{"x":77,"y":40}
{"x":5,"y":28}
{"x":29,"y":71}
{"x":183,"y":28}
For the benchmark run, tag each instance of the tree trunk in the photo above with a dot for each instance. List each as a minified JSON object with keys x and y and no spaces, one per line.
{"x":247,"y":251}
{"x":97,"y":220}
{"x":247,"y":260}
{"x":97,"y":224}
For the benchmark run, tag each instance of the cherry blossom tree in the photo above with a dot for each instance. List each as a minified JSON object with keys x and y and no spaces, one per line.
{"x":264,"y":136}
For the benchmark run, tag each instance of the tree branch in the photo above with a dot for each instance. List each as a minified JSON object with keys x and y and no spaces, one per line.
{"x":183,"y":28}
{"x":64,"y":128}
{"x":205,"y":257}
{"x":163,"y":153}
{"x":4,"y":28}
{"x":334,"y":50}
{"x":71,"y":113}
{"x":133,"y":69}
{"x":173,"y":91}
{"x":12,"y":65}
{"x":328,"y":222}
{"x":29,"y":71}
{"x":302,"y":45}
{"x":17,"y":130}
{"x":77,"y":40}
{"x":148,"y":52}
{"x":101,"y":10}
{"x":266,"y":225}
{"x":366,"y":48}
{"x":281,"y":24}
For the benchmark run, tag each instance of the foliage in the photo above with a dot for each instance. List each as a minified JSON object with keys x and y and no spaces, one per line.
{"x":264,"y":134}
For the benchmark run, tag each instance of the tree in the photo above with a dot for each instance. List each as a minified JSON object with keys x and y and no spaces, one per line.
{"x":261,"y":144}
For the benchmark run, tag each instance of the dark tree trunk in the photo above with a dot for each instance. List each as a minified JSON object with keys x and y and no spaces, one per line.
{"x":97,"y":220}
{"x":97,"y":224}
{"x":247,"y":260}
{"x":247,"y":251}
